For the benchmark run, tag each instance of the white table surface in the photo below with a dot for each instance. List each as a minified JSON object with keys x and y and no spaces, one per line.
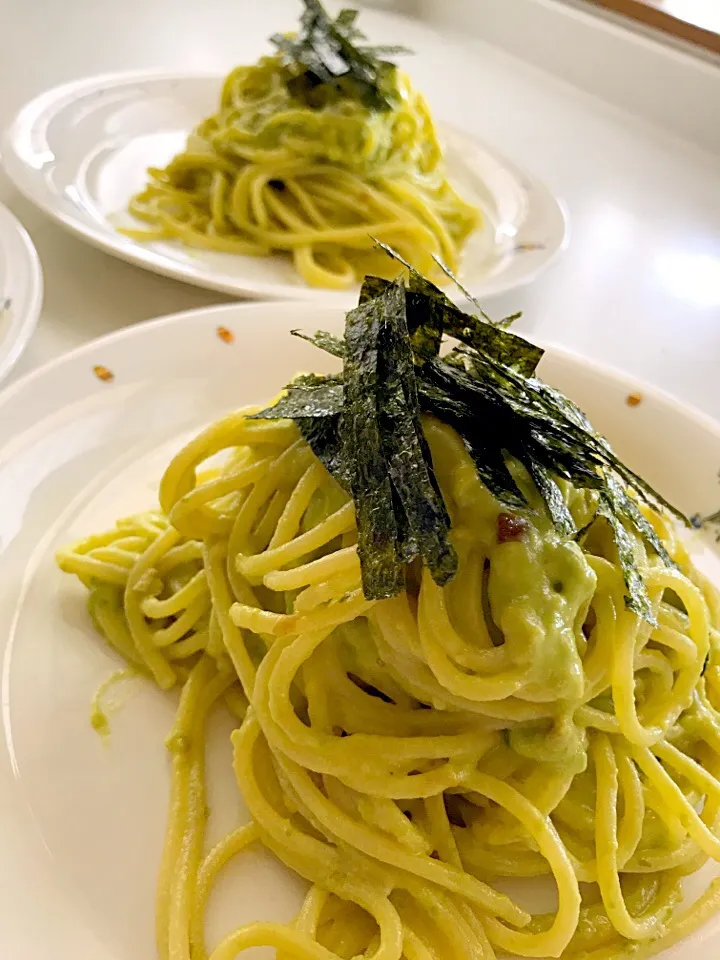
{"x":638,"y":288}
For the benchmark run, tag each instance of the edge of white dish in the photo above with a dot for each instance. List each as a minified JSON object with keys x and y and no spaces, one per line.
{"x":27,"y":302}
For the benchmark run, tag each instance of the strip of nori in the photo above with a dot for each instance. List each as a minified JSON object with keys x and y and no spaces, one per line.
{"x":331,"y":344}
{"x":426,"y":325}
{"x":626,"y":506}
{"x":322,"y":434}
{"x":560,"y":425}
{"x":484,"y":389}
{"x":465,"y":292}
{"x":404,"y":445}
{"x":476,"y":429}
{"x":373,"y":287}
{"x":308,"y":395}
{"x":552,"y":496}
{"x":315,"y":404}
{"x":474,"y":403}
{"x":328,"y":50}
{"x":379,"y":547}
{"x":545,"y":445}
{"x":636,"y":596}
{"x":566,"y":419}
{"x":432,"y":314}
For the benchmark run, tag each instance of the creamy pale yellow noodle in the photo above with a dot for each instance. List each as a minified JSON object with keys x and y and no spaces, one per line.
{"x":267,"y":174}
{"x":410,"y":756}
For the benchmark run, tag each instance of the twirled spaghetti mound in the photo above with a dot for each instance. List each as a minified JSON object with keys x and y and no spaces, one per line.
{"x":406,"y":755}
{"x":313,"y":168}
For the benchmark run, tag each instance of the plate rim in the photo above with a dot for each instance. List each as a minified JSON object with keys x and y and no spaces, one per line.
{"x":144,"y":257}
{"x":22,"y":328}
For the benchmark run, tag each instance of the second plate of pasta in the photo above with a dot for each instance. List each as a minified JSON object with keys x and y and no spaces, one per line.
{"x":81,"y":153}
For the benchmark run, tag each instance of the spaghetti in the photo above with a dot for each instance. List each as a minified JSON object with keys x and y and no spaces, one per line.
{"x":407,"y":756}
{"x":312,"y":174}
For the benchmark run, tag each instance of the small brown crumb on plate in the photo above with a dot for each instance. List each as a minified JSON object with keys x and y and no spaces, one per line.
{"x":227,"y":336}
{"x":102,"y":373}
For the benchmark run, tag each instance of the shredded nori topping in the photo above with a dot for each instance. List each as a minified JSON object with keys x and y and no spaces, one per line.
{"x":332,"y":53}
{"x":364,"y":425}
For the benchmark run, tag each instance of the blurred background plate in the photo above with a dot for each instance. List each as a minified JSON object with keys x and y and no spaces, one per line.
{"x":80,"y":151}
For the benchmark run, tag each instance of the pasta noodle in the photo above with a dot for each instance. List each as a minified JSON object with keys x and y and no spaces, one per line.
{"x":396,"y":753}
{"x":269,"y":173}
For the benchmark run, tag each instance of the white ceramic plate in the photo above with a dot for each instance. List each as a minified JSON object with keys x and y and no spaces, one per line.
{"x":80,"y":152}
{"x":85,"y":440}
{"x":21,"y":290}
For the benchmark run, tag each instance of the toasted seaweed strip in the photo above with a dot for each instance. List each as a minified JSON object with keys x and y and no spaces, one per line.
{"x":315,"y":404}
{"x":322,"y":434}
{"x":373,"y":287}
{"x":328,"y":342}
{"x":379,"y":547}
{"x":552,"y":496}
{"x":428,"y":308}
{"x":509,"y":320}
{"x":442,"y":317}
{"x":531,"y":440}
{"x":636,"y":597}
{"x":325,"y":51}
{"x":484,"y":338}
{"x":307,"y":396}
{"x":705,"y":523}
{"x":479,"y":441}
{"x":626,"y":506}
{"x":394,"y":255}
{"x":591,"y":444}
{"x":561,"y":459}
{"x":384,"y":49}
{"x":504,"y":323}
{"x":426,"y":324}
{"x":563,"y":425}
{"x":365,"y":427}
{"x":404,"y":445}
{"x":584,"y":432}
{"x":491,"y":466}
{"x":408,"y":547}
{"x":565,"y":418}
{"x":465,"y":292}
{"x":345,"y":20}
{"x":472,"y":396}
